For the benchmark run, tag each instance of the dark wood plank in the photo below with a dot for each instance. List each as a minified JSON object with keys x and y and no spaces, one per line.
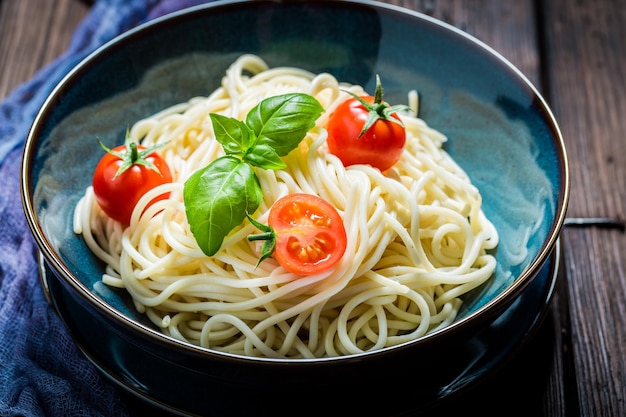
{"x":585,"y":60}
{"x":32,"y":34}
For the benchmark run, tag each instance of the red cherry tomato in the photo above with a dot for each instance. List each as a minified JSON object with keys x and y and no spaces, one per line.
{"x":117,"y":194}
{"x":379,"y":143}
{"x":310,"y":236}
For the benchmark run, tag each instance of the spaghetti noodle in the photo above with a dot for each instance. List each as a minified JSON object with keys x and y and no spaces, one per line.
{"x":417,"y":237}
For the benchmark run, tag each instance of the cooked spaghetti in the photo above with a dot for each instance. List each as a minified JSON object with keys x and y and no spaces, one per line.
{"x":417,"y":236}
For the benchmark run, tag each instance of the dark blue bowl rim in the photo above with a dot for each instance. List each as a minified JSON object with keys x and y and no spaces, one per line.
{"x":489,"y":311}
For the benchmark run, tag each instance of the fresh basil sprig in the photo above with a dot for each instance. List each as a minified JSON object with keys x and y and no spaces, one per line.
{"x":219,"y":196}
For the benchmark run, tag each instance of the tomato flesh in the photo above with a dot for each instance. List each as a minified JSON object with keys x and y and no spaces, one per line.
{"x":118,"y":196}
{"x":310,"y":236}
{"x":380,"y":146}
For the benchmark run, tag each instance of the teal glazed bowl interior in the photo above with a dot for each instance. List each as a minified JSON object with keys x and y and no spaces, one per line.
{"x":499,"y":129}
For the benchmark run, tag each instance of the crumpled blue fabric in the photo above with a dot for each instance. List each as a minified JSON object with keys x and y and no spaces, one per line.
{"x":42,"y":372}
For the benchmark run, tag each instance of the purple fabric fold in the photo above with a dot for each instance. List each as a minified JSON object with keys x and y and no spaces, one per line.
{"x":42,"y":372}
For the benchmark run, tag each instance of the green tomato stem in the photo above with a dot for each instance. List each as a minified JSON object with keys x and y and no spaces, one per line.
{"x":261,"y":236}
{"x":134,"y":153}
{"x":379,"y":109}
{"x":378,"y":94}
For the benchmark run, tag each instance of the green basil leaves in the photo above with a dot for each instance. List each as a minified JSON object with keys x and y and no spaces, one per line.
{"x":219,"y":196}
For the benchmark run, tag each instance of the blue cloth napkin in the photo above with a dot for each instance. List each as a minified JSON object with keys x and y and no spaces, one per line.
{"x":42,"y":372}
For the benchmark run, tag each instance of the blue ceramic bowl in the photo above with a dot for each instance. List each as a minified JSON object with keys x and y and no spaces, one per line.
{"x":499,"y":130}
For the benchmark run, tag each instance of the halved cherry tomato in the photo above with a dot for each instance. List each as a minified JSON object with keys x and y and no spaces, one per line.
{"x":307,"y":233}
{"x":367,"y":130}
{"x":124,"y":174}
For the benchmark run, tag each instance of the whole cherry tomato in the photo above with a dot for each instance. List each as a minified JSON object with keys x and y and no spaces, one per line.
{"x":367,"y":130}
{"x":305,"y":234}
{"x":124,"y":174}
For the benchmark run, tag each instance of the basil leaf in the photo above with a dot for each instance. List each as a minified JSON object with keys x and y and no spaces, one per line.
{"x":264,"y":156}
{"x":283,"y":121}
{"x":233,"y":134}
{"x":219,"y":196}
{"x":217,"y":199}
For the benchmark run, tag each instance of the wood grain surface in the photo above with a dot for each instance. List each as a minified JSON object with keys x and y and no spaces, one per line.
{"x":574,"y":52}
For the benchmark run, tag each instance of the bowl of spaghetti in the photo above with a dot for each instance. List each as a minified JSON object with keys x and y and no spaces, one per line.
{"x":271,"y":253}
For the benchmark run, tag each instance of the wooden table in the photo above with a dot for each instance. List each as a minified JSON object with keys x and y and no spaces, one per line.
{"x":575,"y":53}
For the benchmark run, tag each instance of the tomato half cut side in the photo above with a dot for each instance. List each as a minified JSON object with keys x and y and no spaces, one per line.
{"x":310,"y":235}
